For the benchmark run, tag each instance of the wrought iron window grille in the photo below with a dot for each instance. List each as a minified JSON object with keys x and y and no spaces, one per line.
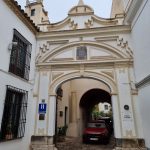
{"x":20,"y":56}
{"x":14,"y":114}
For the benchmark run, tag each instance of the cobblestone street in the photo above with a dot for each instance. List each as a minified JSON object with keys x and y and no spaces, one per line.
{"x":76,"y":144}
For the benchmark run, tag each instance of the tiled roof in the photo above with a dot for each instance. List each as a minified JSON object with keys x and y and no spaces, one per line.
{"x":22,"y":15}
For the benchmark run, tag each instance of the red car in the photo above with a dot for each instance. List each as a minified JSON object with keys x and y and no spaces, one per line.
{"x":96,"y":131}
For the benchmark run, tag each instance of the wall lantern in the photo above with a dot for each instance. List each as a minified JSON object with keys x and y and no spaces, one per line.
{"x":10,"y":46}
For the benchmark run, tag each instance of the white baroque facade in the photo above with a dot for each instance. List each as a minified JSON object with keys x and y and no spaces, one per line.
{"x":108,"y":58}
{"x":81,"y":53}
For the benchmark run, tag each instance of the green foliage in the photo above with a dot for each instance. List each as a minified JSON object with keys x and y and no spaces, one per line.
{"x":98,"y":114}
{"x":62,"y":130}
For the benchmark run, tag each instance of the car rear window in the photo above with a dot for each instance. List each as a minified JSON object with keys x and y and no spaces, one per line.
{"x":96,"y":125}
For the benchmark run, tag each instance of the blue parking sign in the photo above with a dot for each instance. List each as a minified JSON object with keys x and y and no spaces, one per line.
{"x":42,"y":108}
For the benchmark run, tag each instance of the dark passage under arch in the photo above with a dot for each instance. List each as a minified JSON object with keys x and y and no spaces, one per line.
{"x":92,"y":98}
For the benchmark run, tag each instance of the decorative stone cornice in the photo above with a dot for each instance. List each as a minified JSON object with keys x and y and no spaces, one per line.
{"x":144,"y":82}
{"x":58,"y":25}
{"x":104,"y":63}
{"x":13,"y":5}
{"x":106,"y":22}
{"x":89,"y":23}
{"x":107,"y":38}
{"x":85,"y":32}
{"x":46,"y":56}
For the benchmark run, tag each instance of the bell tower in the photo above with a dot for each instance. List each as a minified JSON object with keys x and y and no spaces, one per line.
{"x":80,"y":3}
{"x":36,"y":12}
{"x":117,"y":8}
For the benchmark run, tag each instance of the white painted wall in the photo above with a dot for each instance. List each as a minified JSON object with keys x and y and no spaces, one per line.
{"x":10,"y":21}
{"x":141,"y":42}
{"x":140,"y":38}
{"x":144,"y":104}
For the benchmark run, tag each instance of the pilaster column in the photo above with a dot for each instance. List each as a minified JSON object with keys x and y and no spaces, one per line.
{"x":43,"y":137}
{"x":116,"y":116}
{"x":51,"y":115}
{"x":73,"y":125}
{"x":42,"y":98}
{"x":125,"y":103}
{"x":73,"y":107}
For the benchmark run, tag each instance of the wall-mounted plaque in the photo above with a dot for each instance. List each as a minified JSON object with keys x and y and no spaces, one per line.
{"x":126,"y":107}
{"x":81,"y":53}
{"x":41,"y":116}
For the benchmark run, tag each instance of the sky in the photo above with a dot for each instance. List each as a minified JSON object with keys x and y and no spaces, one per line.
{"x":58,"y":9}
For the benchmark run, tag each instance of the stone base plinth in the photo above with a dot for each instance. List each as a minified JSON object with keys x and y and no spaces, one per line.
{"x":72,"y":130}
{"x":130,"y":144}
{"x":43,"y":147}
{"x":119,"y":148}
{"x":42,"y":143}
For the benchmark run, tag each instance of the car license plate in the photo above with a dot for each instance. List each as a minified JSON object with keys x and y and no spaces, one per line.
{"x":93,"y":139}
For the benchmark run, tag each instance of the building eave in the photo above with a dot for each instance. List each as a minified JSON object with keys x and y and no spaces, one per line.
{"x":16,"y":8}
{"x":132,"y":10}
{"x":144,"y":82}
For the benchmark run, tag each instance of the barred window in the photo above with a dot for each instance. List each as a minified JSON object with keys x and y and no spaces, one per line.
{"x":106,"y":107}
{"x":20,"y":56}
{"x":14,"y":114}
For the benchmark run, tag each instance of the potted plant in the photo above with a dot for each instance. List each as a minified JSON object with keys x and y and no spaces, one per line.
{"x":62,"y":133}
{"x":9,"y":134}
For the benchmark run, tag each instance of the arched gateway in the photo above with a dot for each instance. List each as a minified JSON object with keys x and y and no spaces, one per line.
{"x":84,"y":46}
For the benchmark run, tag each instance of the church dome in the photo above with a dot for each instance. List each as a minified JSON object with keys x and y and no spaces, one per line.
{"x":81,"y":9}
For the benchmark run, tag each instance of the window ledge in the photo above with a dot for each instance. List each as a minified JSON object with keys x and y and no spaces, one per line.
{"x":15,"y":76}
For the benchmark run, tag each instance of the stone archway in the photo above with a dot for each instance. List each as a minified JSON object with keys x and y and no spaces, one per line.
{"x":110,"y":86}
{"x":87,"y":74}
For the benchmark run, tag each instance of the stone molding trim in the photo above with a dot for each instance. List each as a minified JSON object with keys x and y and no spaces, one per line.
{"x":45,"y":57}
{"x":85,"y":32}
{"x":42,"y":143}
{"x":130,"y":144}
{"x":85,"y":74}
{"x":143,"y":82}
